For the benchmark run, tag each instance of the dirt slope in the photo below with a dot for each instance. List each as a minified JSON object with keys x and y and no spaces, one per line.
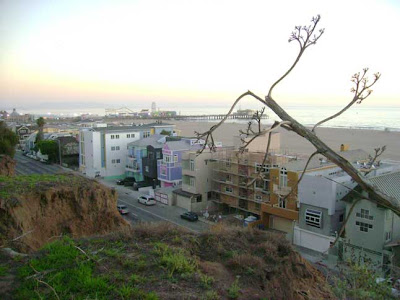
{"x":34,"y":209}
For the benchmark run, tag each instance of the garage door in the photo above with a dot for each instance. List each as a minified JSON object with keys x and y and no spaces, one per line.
{"x":282,"y":224}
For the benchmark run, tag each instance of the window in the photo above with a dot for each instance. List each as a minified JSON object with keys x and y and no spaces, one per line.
{"x":283,"y":177}
{"x":341,"y":218}
{"x":364,"y":226}
{"x":259,"y":184}
{"x":163,"y":171}
{"x":388,"y":236}
{"x":228,"y":189}
{"x":146,"y":134}
{"x":192,"y":181}
{"x":158,"y":155}
{"x":282,"y":203}
{"x":228,"y":162}
{"x":117,"y":148}
{"x":118,"y":161}
{"x":167,"y":158}
{"x":228,"y":178}
{"x":257,"y":206}
{"x":146,"y":168}
{"x":191,"y":166}
{"x":313,"y":218}
{"x":117,"y":136}
{"x":262,"y":168}
{"x":113,"y":161}
{"x":258,"y":197}
{"x":112,"y":136}
{"x":175,"y":158}
{"x":112,"y":148}
{"x":364,"y":214}
{"x":128,"y":135}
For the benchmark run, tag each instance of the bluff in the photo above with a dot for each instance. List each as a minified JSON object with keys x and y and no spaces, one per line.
{"x":37,"y":208}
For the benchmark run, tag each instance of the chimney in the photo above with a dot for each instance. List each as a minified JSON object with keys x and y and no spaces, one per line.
{"x":344,"y":147}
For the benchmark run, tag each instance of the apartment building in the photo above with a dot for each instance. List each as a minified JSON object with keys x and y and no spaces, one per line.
{"x":142,"y":158}
{"x":103,"y":150}
{"x":169,"y":169}
{"x":197,"y":180}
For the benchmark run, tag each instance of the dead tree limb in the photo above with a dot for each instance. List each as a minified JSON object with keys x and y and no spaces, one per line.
{"x":305,"y":37}
{"x":361,"y":91}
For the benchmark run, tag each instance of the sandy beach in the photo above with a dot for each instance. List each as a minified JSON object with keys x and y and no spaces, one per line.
{"x":292,"y":143}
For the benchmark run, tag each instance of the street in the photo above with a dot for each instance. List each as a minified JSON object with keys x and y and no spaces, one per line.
{"x":28,"y":166}
{"x":126,"y":195}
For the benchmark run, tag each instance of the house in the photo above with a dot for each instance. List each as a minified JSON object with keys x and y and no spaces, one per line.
{"x":142,"y":158}
{"x":321,"y":190}
{"x":69,"y":147}
{"x":169,"y":168}
{"x":372,"y":231}
{"x":103,"y":150}
{"x":23,"y":132}
{"x":197,"y":181}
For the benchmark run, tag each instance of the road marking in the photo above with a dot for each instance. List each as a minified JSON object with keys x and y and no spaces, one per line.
{"x":162,"y":218}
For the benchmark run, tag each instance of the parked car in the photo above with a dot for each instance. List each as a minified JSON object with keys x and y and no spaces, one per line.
{"x":190,"y":216}
{"x":122,"y":209}
{"x":147,"y":200}
{"x":140,"y":184}
{"x":126,"y":181}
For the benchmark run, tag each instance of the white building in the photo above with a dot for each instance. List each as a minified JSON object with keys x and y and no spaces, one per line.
{"x":321,"y":212}
{"x":103,"y":150}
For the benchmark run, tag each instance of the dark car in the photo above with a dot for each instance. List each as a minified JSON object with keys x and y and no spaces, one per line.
{"x":190,"y":216}
{"x":126,"y":181}
{"x":140,"y":184}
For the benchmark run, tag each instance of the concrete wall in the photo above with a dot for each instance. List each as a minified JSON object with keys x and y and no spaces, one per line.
{"x":311,"y":240}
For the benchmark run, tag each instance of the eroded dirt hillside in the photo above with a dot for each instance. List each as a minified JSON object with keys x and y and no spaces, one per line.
{"x":7,"y":165}
{"x":34,"y":209}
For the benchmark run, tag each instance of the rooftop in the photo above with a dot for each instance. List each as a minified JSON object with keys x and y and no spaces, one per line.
{"x":131,"y":128}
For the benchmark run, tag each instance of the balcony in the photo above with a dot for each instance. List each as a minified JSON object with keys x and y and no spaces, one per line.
{"x":134,"y":168}
{"x":279,"y":211}
{"x":282,"y":190}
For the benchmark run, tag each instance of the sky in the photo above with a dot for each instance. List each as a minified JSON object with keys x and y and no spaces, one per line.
{"x":187,"y":54}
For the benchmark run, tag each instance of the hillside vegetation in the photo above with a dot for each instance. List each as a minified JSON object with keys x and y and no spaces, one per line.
{"x":161,"y":261}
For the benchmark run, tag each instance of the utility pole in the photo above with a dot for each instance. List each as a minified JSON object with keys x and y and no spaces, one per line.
{"x":59,"y":151}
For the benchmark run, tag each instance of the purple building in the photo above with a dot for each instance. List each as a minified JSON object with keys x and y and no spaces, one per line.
{"x":169,"y":169}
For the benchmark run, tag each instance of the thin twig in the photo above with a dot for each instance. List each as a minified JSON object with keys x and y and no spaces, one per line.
{"x":21,"y":236}
{"x":301,"y":177}
{"x":48,"y":285}
{"x":361,"y":92}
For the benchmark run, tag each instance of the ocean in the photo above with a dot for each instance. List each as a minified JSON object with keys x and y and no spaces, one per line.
{"x":357,"y":117}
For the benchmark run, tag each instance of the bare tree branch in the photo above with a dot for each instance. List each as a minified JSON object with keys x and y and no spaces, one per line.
{"x":361,"y":91}
{"x":302,"y":175}
{"x":297,"y":35}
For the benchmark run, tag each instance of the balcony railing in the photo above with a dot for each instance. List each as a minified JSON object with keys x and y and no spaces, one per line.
{"x":282,"y":190}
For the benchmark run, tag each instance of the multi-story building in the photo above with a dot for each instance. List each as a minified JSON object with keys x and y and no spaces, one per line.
{"x":292,"y":204}
{"x":142,"y":158}
{"x":103,"y":150}
{"x":169,"y":169}
{"x":372,"y":232}
{"x":197,"y":184}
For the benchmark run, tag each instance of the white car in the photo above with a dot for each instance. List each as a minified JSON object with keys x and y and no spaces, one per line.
{"x":147,"y":200}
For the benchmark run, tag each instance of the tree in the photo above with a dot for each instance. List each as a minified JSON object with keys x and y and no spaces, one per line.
{"x":49,"y":148}
{"x":40,"y":123}
{"x":307,"y":36}
{"x":8,"y":140}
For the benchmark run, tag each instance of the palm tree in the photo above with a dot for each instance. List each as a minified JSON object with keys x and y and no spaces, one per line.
{"x":40,"y":123}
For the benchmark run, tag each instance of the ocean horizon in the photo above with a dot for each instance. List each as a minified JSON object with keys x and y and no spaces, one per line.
{"x":357,"y":117}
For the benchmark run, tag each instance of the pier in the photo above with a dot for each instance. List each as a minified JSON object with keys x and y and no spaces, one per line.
{"x":215,"y":117}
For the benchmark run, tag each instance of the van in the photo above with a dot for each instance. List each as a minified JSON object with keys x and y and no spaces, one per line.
{"x":147,"y":200}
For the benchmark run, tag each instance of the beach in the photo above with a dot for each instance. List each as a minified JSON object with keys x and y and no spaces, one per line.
{"x":292,"y":143}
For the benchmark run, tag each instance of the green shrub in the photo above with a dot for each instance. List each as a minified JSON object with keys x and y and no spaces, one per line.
{"x":206,"y":281}
{"x":233,"y":290}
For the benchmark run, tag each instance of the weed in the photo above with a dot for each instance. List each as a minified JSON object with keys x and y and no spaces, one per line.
{"x":137,"y":279}
{"x":206,"y":281}
{"x":151,"y":296}
{"x":211,"y":295}
{"x":112,"y":252}
{"x":126,"y":291}
{"x":3,"y":270}
{"x":233,"y":290}
{"x":175,"y":261}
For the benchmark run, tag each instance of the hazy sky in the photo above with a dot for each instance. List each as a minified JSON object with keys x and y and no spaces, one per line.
{"x":109,"y":53}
